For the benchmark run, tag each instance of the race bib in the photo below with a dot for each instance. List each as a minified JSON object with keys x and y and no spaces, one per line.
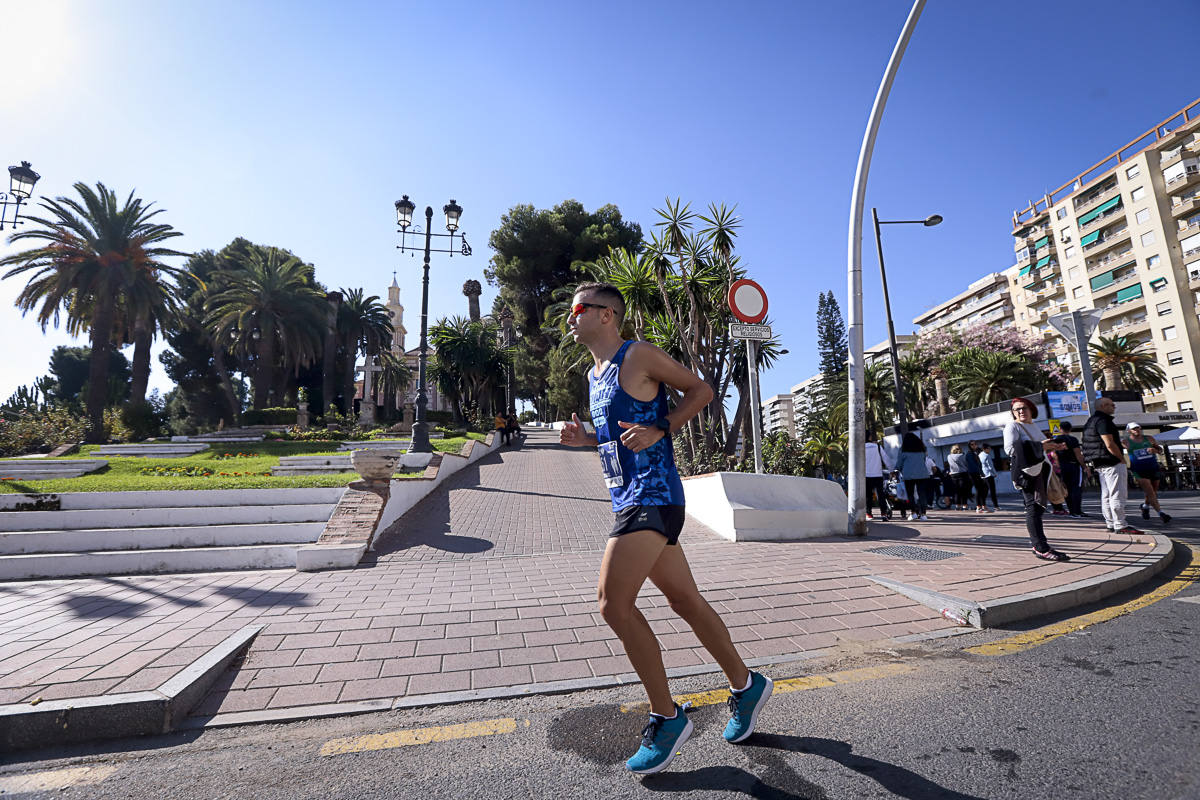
{"x":1142,"y":459}
{"x":610,"y":465}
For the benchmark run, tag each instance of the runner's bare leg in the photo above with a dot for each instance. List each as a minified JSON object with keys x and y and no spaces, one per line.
{"x":627,"y":562}
{"x":672,"y":575}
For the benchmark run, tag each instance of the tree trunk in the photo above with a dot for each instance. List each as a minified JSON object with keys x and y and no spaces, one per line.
{"x":264,"y":370}
{"x":738,"y":416}
{"x":143,"y":334}
{"x":97,"y":394}
{"x":1112,"y":379}
{"x":350,"y":353}
{"x":942,"y":386}
{"x":329,"y":353}
{"x":231,"y":400}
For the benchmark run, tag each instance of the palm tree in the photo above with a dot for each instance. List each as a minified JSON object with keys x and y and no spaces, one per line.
{"x":394,"y":378}
{"x":471,"y":354}
{"x":980,"y":377}
{"x":826,"y":451}
{"x":92,"y":253}
{"x":1124,"y":363}
{"x":364,"y":325}
{"x":634,"y":276}
{"x":269,"y":308}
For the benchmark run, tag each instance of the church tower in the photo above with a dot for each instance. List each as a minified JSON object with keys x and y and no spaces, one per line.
{"x":396,"y":311}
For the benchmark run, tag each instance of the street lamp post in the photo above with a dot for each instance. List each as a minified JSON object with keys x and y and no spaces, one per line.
{"x":20,"y":182}
{"x":928,"y":222}
{"x":404,"y":214}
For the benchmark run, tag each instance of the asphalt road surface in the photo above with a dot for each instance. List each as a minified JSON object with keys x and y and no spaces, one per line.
{"x":1107,"y":709}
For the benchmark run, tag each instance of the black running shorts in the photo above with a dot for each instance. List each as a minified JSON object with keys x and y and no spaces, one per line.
{"x":667,"y":520}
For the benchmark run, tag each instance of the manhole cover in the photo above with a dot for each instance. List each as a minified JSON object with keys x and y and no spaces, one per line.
{"x":914,"y":553}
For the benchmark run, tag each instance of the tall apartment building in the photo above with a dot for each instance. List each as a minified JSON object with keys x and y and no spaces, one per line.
{"x":778,"y":415}
{"x":1123,"y":236}
{"x":987,"y":301}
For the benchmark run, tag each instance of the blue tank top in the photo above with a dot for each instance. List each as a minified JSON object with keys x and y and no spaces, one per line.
{"x":648,"y":478}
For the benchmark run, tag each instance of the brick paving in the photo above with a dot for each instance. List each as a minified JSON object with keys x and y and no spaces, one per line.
{"x":490,"y":582}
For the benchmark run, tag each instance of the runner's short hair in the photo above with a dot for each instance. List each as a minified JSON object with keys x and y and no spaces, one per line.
{"x":610,"y":294}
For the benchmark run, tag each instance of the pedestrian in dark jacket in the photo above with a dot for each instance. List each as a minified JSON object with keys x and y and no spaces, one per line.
{"x":1026,"y":445}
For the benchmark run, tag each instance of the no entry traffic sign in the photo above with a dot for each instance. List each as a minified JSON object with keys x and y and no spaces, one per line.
{"x":748,"y":301}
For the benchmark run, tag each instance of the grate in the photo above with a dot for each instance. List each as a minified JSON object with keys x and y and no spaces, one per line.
{"x":914,"y":553}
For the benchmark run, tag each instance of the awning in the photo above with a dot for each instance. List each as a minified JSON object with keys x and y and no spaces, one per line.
{"x":1129,"y":293}
{"x":1157,"y":282}
{"x":1040,"y":243}
{"x":1100,"y":281}
{"x":1091,"y":237}
{"x":1043,"y":261}
{"x":1098,"y":210}
{"x":1024,"y":270}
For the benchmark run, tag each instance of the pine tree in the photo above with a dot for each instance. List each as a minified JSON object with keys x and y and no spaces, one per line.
{"x":831,"y":336}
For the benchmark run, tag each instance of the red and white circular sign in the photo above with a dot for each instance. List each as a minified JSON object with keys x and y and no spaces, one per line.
{"x":748,"y":301}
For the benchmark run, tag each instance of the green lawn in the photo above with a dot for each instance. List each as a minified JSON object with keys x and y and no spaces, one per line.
{"x":236,"y":472}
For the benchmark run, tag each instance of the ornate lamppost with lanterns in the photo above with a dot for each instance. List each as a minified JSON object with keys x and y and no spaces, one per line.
{"x":20,"y":181}
{"x":404,"y":218}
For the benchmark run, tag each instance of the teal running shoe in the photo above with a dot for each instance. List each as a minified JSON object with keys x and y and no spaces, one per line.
{"x":745,"y":705}
{"x":661,"y":739}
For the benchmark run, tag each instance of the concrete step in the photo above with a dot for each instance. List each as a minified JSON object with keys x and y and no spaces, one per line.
{"x":181,"y":498}
{"x":44,"y":469}
{"x":147,"y":562}
{"x":174,"y":450}
{"x":162,"y":517}
{"x":111,"y":539}
{"x":378,"y":444}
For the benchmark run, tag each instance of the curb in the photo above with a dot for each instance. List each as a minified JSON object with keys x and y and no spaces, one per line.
{"x":1004,"y":610}
{"x":84,"y":719}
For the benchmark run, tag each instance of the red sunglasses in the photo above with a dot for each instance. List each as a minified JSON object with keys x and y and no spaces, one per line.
{"x":579,"y":308}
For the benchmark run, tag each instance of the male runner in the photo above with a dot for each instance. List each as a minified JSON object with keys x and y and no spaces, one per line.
{"x":633,"y":434}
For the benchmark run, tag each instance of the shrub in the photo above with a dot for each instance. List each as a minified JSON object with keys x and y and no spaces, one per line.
{"x":439,"y":417}
{"x":40,"y":432}
{"x":142,"y":420}
{"x":269,"y":416}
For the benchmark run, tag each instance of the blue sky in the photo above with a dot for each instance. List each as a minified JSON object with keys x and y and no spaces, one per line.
{"x":299,"y":124}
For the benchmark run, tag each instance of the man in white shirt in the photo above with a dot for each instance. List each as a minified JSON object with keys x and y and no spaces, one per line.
{"x":876,"y":462}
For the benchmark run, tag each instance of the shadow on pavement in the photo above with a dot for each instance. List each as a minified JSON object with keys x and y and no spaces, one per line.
{"x":428,"y":522}
{"x":780,"y":781}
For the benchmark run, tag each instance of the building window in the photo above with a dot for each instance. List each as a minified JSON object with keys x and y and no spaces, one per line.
{"x":1152,"y":262}
{"x":1158,"y":284}
{"x":1147,"y":238}
{"x":1163,"y":308}
{"x":1174,"y":357}
{"x":1186,"y":405}
{"x":1179,"y":382}
{"x":1065,"y":234}
{"x":1077,"y":292}
{"x":1133,"y":171}
{"x":1137,"y":194}
{"x":1069,"y":251}
{"x":1062,"y":212}
{"x":1142,"y":216}
{"x":1073,"y":272}
{"x":1169,"y":333}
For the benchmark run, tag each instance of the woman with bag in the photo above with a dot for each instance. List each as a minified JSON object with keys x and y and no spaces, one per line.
{"x":914,"y":471}
{"x":1027,"y":446}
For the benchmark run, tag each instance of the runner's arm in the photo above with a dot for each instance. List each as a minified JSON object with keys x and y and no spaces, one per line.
{"x":658,"y":367}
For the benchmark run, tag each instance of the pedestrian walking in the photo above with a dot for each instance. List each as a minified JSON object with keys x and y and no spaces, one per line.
{"x":633,"y":435}
{"x":959,"y":476}
{"x":1143,"y":461}
{"x":1027,"y":446}
{"x":914,"y":471}
{"x":1071,"y":467}
{"x":975,"y":475}
{"x":988,"y":462}
{"x":502,"y":427}
{"x":876,"y":462}
{"x":1103,"y":450}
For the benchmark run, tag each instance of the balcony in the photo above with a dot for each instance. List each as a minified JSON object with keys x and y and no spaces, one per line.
{"x":1190,"y":177}
{"x":1107,"y":190}
{"x":1031,"y":226}
{"x":1185,"y":205}
{"x":1110,"y":260}
{"x":1120,"y":282}
{"x":1171,"y":157}
{"x":1103,"y":219}
{"x":1191,"y":256}
{"x":1135,"y":325}
{"x":1106,"y":243}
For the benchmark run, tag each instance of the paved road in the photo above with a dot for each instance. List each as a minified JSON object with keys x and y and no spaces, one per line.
{"x":1107,"y":711}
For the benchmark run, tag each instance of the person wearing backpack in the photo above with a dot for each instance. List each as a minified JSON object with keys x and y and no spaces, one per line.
{"x":1103,"y":451}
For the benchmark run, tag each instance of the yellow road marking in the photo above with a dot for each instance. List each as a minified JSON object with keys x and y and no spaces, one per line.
{"x":1034,"y":638}
{"x":805,"y":683}
{"x":413,"y":736}
{"x":50,"y":779}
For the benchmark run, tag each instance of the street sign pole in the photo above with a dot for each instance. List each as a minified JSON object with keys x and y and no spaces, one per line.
{"x":1085,"y":361}
{"x":755,"y":403}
